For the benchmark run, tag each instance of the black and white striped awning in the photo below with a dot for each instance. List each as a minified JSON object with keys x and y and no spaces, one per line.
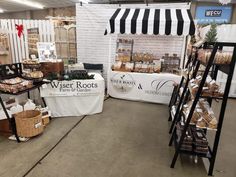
{"x":151,"y":21}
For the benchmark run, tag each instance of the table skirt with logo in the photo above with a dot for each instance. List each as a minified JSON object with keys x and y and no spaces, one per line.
{"x":75,"y":97}
{"x":155,"y":87}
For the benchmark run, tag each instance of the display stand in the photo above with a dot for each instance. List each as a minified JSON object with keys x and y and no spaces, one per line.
{"x":11,"y":71}
{"x":180,"y":117}
{"x":33,"y":39}
{"x":125,"y":21}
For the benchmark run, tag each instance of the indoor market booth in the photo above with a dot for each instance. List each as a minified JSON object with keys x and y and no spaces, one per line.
{"x":107,"y":88}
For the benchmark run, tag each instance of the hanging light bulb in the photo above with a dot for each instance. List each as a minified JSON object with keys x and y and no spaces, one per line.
{"x":224,"y":2}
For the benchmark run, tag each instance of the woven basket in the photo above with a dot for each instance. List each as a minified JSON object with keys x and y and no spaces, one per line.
{"x":29,"y":123}
{"x":45,"y":120}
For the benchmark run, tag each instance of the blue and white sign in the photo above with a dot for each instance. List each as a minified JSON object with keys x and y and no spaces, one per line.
{"x":210,"y":14}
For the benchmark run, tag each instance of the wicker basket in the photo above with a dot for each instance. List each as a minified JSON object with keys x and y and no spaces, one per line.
{"x":45,"y":120}
{"x":29,"y":123}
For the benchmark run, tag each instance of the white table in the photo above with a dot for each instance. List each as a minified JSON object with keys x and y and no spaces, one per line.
{"x":75,"y":97}
{"x":155,"y":88}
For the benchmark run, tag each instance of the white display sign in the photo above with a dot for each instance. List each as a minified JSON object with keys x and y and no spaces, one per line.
{"x":155,"y":88}
{"x":46,"y":50}
{"x":76,"y":97}
{"x":72,"y":88}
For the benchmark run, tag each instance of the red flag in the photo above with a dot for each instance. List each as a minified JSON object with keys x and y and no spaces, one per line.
{"x":19,"y":29}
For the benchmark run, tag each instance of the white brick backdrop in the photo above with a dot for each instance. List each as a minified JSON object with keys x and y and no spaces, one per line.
{"x":94,"y":47}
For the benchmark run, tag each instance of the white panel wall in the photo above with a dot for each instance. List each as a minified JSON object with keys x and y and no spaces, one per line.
{"x":94,"y":47}
{"x":19,"y":46}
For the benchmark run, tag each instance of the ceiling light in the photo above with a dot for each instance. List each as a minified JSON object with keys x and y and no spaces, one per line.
{"x":225,"y":2}
{"x":29,"y":3}
{"x":84,"y":1}
{"x":1,"y":10}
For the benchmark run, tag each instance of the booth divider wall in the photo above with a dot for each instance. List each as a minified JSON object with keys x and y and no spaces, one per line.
{"x":19,"y":46}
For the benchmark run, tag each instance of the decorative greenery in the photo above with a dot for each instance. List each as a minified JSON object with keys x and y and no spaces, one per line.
{"x":79,"y":75}
{"x":52,"y":76}
{"x":74,"y":75}
{"x":193,"y":39}
{"x":211,"y":35}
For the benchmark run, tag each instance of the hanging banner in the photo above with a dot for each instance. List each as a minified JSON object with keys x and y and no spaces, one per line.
{"x":213,"y":14}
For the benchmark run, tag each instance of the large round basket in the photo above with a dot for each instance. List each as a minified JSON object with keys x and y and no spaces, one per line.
{"x":29,"y":123}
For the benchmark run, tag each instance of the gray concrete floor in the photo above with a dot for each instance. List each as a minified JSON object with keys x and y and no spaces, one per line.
{"x":129,"y":139}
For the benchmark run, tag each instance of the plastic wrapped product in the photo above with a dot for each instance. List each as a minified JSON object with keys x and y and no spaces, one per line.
{"x":188,"y":139}
{"x":196,"y":116}
{"x":137,"y":67}
{"x":202,"y":123}
{"x":117,"y":65}
{"x":200,"y":142}
{"x":213,"y":124}
{"x":129,"y":66}
{"x":213,"y":87}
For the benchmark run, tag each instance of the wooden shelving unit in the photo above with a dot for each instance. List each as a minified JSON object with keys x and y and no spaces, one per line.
{"x":33,"y":38}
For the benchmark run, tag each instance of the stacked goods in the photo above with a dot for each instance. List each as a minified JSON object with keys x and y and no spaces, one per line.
{"x":141,"y":67}
{"x":31,"y":64}
{"x":124,"y":50}
{"x":15,"y":85}
{"x":33,"y":38}
{"x":221,"y":57}
{"x":203,"y":116}
{"x":170,"y":63}
{"x":123,"y":55}
{"x":195,"y":139}
{"x":31,"y":70}
{"x":145,"y":57}
{"x":211,"y":88}
{"x":33,"y":75}
{"x":187,"y":144}
{"x":143,"y":62}
{"x":200,"y":141}
{"x":129,"y":66}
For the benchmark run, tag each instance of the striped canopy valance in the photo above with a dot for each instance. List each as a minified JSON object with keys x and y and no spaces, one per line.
{"x":151,"y":21}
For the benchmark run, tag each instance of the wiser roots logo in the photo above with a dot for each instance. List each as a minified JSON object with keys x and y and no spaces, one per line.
{"x":122,"y":82}
{"x":73,"y":86}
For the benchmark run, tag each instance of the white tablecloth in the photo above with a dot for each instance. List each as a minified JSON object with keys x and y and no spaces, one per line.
{"x":155,"y":88}
{"x":76,"y":97}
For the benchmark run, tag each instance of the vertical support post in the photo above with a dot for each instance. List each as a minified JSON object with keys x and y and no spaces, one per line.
{"x":175,"y":92}
{"x":222,"y":112}
{"x":178,"y":119}
{"x":179,"y":107}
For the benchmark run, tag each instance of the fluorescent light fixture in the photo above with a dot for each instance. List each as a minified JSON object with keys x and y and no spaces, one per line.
{"x":29,"y":3}
{"x":85,"y":1}
{"x":1,"y":10}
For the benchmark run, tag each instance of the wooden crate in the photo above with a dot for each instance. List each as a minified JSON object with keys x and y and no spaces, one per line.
{"x":5,"y":128}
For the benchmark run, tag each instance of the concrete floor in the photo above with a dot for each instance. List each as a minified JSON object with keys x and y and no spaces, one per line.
{"x":129,"y":139}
